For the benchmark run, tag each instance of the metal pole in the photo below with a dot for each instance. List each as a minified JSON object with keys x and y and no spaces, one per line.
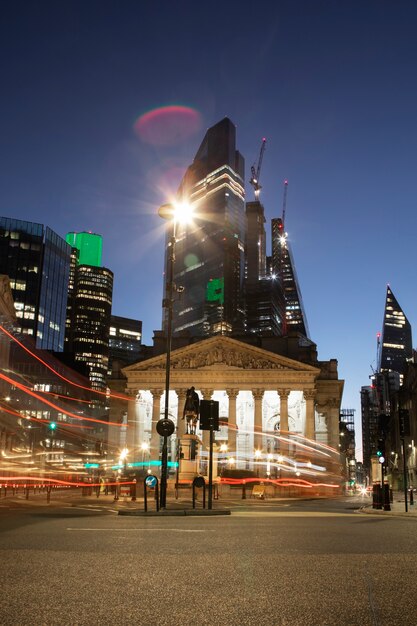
{"x":168,"y":303}
{"x":210,"y":472}
{"x":405,"y":476}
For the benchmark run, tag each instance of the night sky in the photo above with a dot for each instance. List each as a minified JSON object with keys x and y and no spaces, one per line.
{"x":330,"y":84}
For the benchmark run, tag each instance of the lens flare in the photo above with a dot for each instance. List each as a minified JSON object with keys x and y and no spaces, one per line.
{"x":168,"y":125}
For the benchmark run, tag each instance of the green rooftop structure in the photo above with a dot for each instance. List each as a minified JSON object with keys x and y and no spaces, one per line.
{"x":89,"y":245}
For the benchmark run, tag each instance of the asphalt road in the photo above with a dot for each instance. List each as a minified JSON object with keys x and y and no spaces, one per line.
{"x":288,"y":563}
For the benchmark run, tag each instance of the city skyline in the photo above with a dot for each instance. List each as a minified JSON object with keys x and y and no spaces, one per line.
{"x":335,"y":101}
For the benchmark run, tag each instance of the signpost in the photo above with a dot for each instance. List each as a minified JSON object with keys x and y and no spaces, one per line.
{"x":209,"y":420}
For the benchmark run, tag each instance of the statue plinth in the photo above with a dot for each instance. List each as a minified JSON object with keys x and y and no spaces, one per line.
{"x":189,"y":460}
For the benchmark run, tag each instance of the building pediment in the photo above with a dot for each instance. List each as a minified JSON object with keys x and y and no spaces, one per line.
{"x":221,"y":353}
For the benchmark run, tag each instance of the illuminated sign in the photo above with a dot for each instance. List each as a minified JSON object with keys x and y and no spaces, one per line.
{"x":215,"y":290}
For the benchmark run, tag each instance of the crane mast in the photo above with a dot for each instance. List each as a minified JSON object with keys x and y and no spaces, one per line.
{"x":284,"y":203}
{"x":256,"y":171}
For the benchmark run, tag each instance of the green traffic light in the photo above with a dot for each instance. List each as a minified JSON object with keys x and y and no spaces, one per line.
{"x":379,"y":453}
{"x":52,"y":426}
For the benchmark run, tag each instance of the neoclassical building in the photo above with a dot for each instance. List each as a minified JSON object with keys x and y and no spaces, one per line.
{"x":260,"y":393}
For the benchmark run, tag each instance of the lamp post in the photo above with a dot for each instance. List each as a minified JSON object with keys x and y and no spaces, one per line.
{"x":145,"y":448}
{"x":165,"y":427}
{"x":258,"y":454}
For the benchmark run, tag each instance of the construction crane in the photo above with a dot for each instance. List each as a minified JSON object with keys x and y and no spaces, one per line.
{"x":256,"y":171}
{"x":284,"y":202}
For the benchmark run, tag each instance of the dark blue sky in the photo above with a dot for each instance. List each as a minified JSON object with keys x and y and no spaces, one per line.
{"x":332,"y":85}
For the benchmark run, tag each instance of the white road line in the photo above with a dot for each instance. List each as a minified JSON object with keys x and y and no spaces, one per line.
{"x":123,"y":530}
{"x":288,"y":514}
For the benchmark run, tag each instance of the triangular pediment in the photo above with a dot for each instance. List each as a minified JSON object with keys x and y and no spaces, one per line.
{"x":221,"y":353}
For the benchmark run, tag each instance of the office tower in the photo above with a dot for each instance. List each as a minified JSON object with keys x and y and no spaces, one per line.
{"x":264,"y":301}
{"x":370,"y":425}
{"x":89,"y":246}
{"x":283,"y":267}
{"x":37,"y":262}
{"x":89,"y":308}
{"x":210,"y":259}
{"x":125,"y":341}
{"x":396,"y":346}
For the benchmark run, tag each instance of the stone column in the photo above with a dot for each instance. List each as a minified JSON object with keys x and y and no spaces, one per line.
{"x":156,"y":415}
{"x":181,"y":423}
{"x":207,"y":393}
{"x":131,"y":434}
{"x":283,"y":420}
{"x":332,"y":420}
{"x":310,"y":427}
{"x":258,"y":395}
{"x":232,"y":425}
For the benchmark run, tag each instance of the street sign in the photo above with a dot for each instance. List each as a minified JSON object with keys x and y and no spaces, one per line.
{"x":165,"y":427}
{"x":151,"y":481}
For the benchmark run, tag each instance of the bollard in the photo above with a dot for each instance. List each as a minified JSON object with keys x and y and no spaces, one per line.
{"x":411,"y":496}
{"x":48,"y":493}
{"x":243,"y":490}
{"x":133,"y":490}
{"x":386,"y":494}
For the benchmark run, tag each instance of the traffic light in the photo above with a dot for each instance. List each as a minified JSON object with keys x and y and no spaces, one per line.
{"x":380,"y":451}
{"x":209,"y":415}
{"x":52,"y":426}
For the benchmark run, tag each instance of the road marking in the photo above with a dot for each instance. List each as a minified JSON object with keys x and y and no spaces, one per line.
{"x":123,"y":530}
{"x":288,"y":514}
{"x":87,"y":508}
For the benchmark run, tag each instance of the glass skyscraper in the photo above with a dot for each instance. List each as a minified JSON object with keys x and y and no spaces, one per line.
{"x":264,"y":299}
{"x":284,"y":268}
{"x":37,"y":262}
{"x":210,"y":255}
{"x":396,"y":345}
{"x":90,"y":295}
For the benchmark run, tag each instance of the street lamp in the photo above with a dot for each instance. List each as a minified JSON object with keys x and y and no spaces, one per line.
{"x":223,"y":450}
{"x":123,"y":459}
{"x":258,"y":454}
{"x":144,"y":446}
{"x":175,"y":213}
{"x":268,"y":465}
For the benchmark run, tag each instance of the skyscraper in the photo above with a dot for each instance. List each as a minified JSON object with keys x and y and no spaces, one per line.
{"x":283,"y":267}
{"x":37,"y":262}
{"x":125,"y":341}
{"x":210,"y":253}
{"x":396,"y":337}
{"x":89,"y":307}
{"x":264,"y":299}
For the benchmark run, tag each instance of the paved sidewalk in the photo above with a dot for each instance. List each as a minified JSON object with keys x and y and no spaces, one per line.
{"x":126,"y":506}
{"x":397,"y":509}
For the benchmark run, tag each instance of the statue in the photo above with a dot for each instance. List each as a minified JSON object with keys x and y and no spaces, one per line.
{"x":191,"y":410}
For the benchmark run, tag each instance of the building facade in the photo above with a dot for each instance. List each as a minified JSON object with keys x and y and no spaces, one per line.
{"x":210,"y":258}
{"x":90,"y":296}
{"x":283,"y":267}
{"x":397,"y":345}
{"x":268,"y":402}
{"x":37,"y":262}
{"x":125,"y":341}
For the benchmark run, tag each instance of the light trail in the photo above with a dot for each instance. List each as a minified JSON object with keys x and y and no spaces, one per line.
{"x":67,"y":380}
{"x":54,"y":406}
